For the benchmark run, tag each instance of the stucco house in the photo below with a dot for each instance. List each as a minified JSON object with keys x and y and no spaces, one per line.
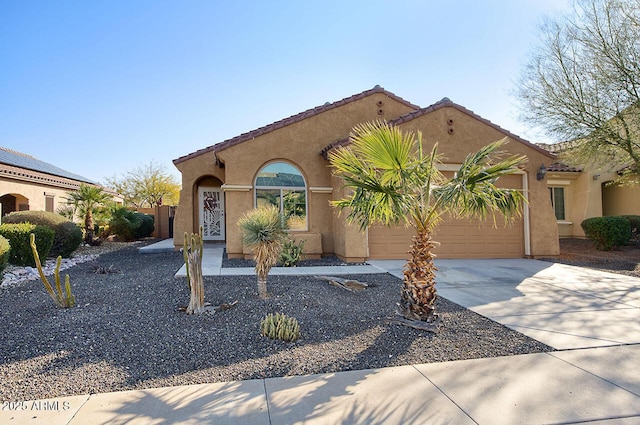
{"x":286,"y":163}
{"x":581,"y":192}
{"x":26,"y":183}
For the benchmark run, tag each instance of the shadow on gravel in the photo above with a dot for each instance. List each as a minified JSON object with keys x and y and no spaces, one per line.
{"x":127,"y":331}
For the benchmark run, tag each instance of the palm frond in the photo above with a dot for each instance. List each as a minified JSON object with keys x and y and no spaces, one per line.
{"x":473,"y":193}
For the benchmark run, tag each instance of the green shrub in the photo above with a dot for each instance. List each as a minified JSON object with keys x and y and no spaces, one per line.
{"x":147,"y":224}
{"x":130,"y":225}
{"x":291,"y":253}
{"x":5,"y":249}
{"x":634,"y":221}
{"x":18,"y":236}
{"x":41,"y":218}
{"x":68,"y":238}
{"x":607,"y":232}
{"x":280,"y":326}
{"x":123,"y":224}
{"x":68,"y":235}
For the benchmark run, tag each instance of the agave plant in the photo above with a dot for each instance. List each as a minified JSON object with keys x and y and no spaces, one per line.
{"x":264,"y":230}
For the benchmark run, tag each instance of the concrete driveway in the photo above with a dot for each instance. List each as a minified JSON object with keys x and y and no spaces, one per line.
{"x":565,"y":307}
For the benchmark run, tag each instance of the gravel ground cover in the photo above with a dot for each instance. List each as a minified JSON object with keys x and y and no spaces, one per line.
{"x":582,"y":252}
{"x":127,"y":331}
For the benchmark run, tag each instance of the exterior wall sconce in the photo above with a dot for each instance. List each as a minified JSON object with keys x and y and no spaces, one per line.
{"x":542,"y":171}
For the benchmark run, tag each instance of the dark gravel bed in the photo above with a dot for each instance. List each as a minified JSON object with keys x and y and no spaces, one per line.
{"x":128,"y":333}
{"x":330,"y":260}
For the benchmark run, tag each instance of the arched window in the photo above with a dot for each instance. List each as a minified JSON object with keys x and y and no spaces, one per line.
{"x":282,"y":184}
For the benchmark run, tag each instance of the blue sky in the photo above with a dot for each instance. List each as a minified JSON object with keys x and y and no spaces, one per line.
{"x":101,"y":87}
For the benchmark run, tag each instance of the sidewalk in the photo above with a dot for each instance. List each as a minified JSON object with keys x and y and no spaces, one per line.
{"x":591,"y":317}
{"x":596,"y":385}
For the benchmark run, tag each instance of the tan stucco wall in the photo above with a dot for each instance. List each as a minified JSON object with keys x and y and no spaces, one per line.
{"x":298,"y":144}
{"x":458,"y":134}
{"x":203,"y":169}
{"x":584,"y":196}
{"x":621,"y":200}
{"x":34,"y":193}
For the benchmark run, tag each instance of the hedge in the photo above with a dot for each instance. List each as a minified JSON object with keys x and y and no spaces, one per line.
{"x":18,"y":236}
{"x":607,"y":232}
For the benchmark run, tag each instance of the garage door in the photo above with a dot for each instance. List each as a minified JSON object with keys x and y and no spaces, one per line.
{"x":458,"y":238}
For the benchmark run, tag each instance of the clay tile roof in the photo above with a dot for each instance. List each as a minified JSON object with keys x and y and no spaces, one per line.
{"x":291,"y":120}
{"x":563,"y":168}
{"x":445,"y":102}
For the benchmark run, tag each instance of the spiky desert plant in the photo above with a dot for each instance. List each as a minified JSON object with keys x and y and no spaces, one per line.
{"x":264,"y":230}
{"x":192,"y":251}
{"x":393,"y":181}
{"x":280,"y":326}
{"x":62,"y":299}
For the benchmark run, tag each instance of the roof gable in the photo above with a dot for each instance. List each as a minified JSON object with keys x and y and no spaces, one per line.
{"x":291,"y":120}
{"x":445,"y":102}
{"x":21,"y":160}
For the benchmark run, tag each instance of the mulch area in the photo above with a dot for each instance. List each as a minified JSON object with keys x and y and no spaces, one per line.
{"x":582,"y":252}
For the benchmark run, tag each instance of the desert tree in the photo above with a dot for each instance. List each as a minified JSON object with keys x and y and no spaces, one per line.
{"x":147,"y":185}
{"x":581,"y":84}
{"x":390,"y":180}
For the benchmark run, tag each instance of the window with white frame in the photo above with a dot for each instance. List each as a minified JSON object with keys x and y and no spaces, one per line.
{"x":557,"y":201}
{"x":283,"y":185}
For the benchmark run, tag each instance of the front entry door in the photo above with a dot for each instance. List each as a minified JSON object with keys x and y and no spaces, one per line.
{"x":211,"y":201}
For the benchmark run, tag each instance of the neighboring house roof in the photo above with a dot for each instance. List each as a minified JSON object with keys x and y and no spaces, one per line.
{"x":445,"y":102}
{"x":563,"y":168}
{"x":291,"y":120}
{"x":21,"y":160}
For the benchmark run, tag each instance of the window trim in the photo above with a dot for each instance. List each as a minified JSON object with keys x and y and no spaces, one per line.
{"x":305,"y":189}
{"x":552,"y":193}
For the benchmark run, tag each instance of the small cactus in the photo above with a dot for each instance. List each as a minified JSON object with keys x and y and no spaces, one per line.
{"x":281,"y":327}
{"x":64,"y":300}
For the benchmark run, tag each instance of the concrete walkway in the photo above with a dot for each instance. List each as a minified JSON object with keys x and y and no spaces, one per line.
{"x":591,"y":317}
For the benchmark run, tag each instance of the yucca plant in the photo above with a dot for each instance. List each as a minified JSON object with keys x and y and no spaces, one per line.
{"x":392,"y":181}
{"x":264,"y":231}
{"x":64,"y":299}
{"x":280,"y":326}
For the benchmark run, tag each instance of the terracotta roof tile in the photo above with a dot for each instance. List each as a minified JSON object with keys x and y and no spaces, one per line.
{"x":559,"y":167}
{"x":290,"y":120}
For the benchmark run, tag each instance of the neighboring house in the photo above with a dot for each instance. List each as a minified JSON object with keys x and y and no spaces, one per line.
{"x":27,"y":183}
{"x":581,"y":192}
{"x":285,"y":163}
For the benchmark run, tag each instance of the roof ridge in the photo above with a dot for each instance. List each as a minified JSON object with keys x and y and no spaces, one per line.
{"x":291,"y":120}
{"x":444,"y":102}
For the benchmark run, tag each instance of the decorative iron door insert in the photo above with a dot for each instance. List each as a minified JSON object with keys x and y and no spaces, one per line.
{"x":211,"y":200}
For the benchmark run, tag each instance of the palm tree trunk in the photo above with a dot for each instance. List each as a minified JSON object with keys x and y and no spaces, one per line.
{"x":419,"y":286}
{"x":88,"y":226}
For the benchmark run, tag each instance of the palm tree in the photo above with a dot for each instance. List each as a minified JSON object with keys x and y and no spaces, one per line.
{"x":86,"y":200}
{"x":264,"y":230}
{"x":393,"y":181}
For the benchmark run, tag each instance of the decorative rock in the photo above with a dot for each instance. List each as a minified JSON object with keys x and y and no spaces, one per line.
{"x":15,"y":275}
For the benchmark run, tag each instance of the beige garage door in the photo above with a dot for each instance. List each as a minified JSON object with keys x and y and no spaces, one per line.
{"x":458,"y":238}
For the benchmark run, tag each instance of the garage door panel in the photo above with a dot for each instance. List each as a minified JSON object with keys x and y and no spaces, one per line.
{"x":458,"y":238}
